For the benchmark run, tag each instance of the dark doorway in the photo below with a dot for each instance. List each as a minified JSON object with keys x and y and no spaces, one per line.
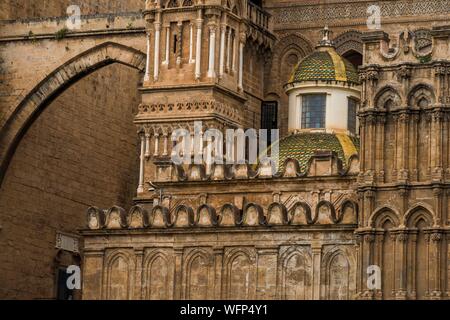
{"x":354,"y":57}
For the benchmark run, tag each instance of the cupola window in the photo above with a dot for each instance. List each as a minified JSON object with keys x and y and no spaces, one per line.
{"x":313,"y":111}
{"x":351,"y":123}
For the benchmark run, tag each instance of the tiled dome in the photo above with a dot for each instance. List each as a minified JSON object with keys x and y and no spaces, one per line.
{"x":302,"y":147}
{"x":325,"y":64}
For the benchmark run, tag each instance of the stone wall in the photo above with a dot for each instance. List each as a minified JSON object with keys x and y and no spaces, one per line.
{"x":20,"y":9}
{"x":80,"y":151}
{"x":232,"y":264}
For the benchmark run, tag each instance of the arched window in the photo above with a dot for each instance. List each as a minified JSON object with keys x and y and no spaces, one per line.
{"x":313,"y":111}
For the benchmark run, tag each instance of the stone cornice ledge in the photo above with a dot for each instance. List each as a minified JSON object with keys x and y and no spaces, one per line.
{"x":93,"y":33}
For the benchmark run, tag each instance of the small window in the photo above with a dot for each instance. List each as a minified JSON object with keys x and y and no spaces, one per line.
{"x":313,"y":111}
{"x":269,"y":117}
{"x":175,"y":41}
{"x":352,"y":108}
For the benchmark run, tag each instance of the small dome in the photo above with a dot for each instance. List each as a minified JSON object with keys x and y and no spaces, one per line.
{"x":325,"y":64}
{"x":303,"y":146}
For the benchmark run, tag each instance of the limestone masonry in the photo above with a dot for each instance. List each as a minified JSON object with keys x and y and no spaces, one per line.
{"x":87,"y":124}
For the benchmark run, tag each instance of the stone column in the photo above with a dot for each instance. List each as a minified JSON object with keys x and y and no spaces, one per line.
{"x":218,"y":265}
{"x":316,"y":261}
{"x":370,"y":146}
{"x":222,"y":50}
{"x":209,"y":156}
{"x":228,"y":62}
{"x":401,"y":241}
{"x":362,"y":122}
{"x":359,"y":262}
{"x":167,"y":49}
{"x":156,"y":153}
{"x":139,"y":286}
{"x":178,"y":286}
{"x":142,"y":163}
{"x":413,"y":269}
{"x":378,"y":258}
{"x":147,"y":63}
{"x":242,"y":40}
{"x":403,"y":147}
{"x":439,"y":81}
{"x":437,"y":194}
{"x":233,"y":59}
{"x":396,"y":139}
{"x":157,"y":49}
{"x":212,"y":50}
{"x":147,"y":143}
{"x":179,"y":43}
{"x":415,"y":151}
{"x":198,"y":49}
{"x":435,"y":265}
{"x":166,"y":141}
{"x":380,"y":171}
{"x":367,"y":260}
{"x":436,"y":146}
{"x":191,"y":43}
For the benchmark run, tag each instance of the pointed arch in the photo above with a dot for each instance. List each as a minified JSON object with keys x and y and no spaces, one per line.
{"x":338,"y":270}
{"x":295,"y":274}
{"x":419,"y":93}
{"x":417,"y":212}
{"x":118,"y":276}
{"x":156,"y":282}
{"x":197,"y":265}
{"x":382,"y":214}
{"x":388,"y":98}
{"x":240,"y":274}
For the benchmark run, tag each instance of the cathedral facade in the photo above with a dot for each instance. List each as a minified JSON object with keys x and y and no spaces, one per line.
{"x":357,"y":204}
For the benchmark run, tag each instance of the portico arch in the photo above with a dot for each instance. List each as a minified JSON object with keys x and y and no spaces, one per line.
{"x":56,"y":82}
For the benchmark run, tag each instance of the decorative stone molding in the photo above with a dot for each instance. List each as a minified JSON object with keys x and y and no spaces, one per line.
{"x":357,"y":10}
{"x":262,"y":171}
{"x":184,"y":216}
{"x":186,"y":107}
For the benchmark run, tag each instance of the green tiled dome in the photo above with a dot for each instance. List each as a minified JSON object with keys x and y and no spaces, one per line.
{"x":325,"y":64}
{"x":302,"y":147}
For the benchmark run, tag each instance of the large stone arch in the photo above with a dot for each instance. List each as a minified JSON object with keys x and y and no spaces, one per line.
{"x":56,"y":82}
{"x":292,"y":44}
